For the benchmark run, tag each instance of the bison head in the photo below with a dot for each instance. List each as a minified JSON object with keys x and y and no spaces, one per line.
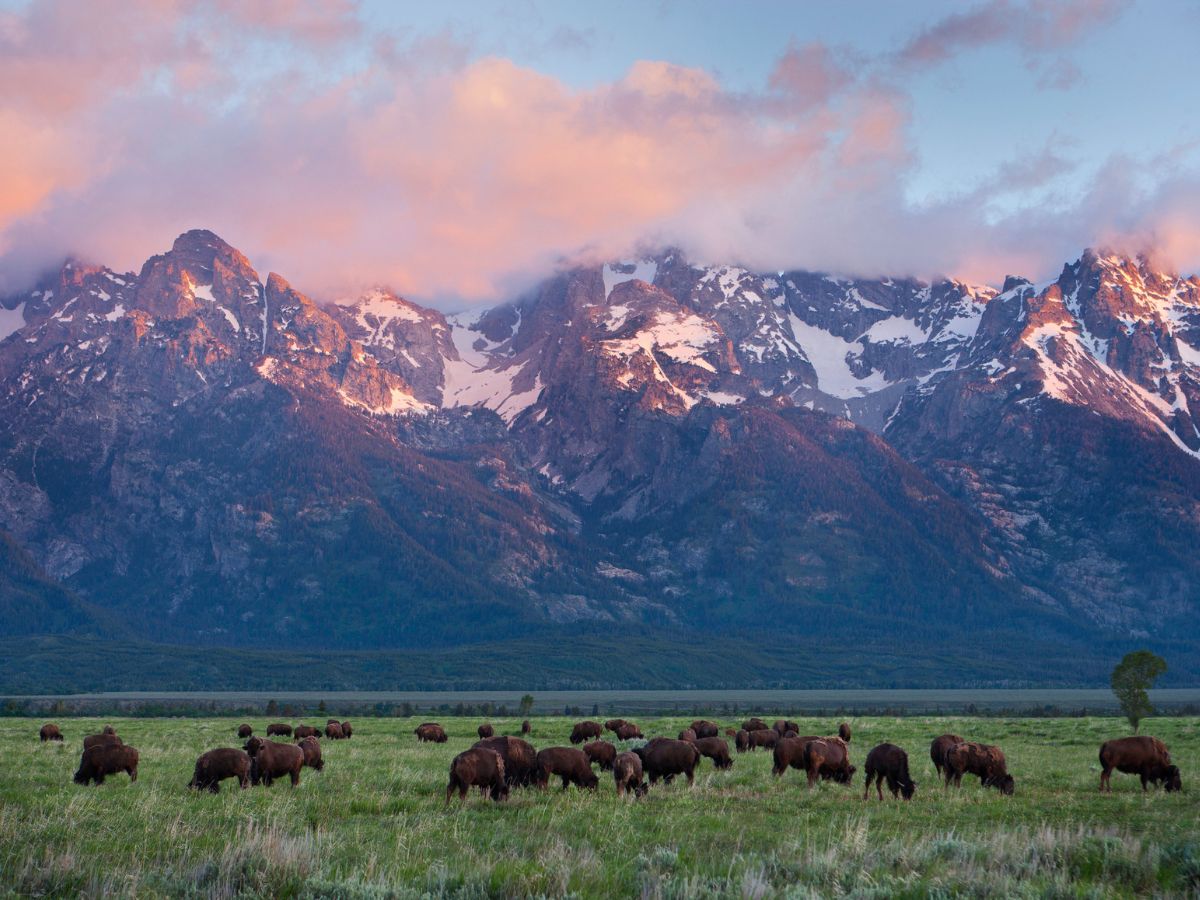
{"x":253,"y":745}
{"x":1171,"y":779}
{"x":907,"y":790}
{"x":1003,"y":783}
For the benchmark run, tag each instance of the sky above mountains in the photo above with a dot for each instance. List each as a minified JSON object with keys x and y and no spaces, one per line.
{"x":456,"y":152}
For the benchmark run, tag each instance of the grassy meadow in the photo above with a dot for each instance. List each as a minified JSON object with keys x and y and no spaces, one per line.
{"x":373,"y":823}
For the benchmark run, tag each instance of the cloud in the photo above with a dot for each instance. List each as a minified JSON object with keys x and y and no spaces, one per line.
{"x":457,"y":179}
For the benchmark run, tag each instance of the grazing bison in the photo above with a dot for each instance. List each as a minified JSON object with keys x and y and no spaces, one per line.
{"x":629,"y":732}
{"x":762,"y":738}
{"x":216,"y":765}
{"x":1144,"y":756}
{"x":705,"y":728}
{"x":567,"y":763}
{"x":270,"y":760}
{"x":601,"y":752}
{"x":478,"y":767}
{"x":789,"y":752}
{"x":627,"y":774}
{"x":101,"y":740}
{"x":715,"y":749}
{"x":687,"y":735}
{"x":584,"y":731}
{"x":108,"y":729}
{"x":347,"y":731}
{"x":755,"y":724}
{"x":431,"y":732}
{"x":106,"y":759}
{"x":303,"y":731}
{"x":245,"y":731}
{"x":334,"y":732}
{"x":828,"y":758}
{"x":843,"y":731}
{"x":940,"y":747}
{"x":984,"y":760}
{"x":50,"y":732}
{"x":613,"y":724}
{"x":890,"y":762}
{"x":664,"y":758}
{"x":741,"y":741}
{"x":783,"y":726}
{"x":520,"y":759}
{"x":526,"y":728}
{"x":311,"y":748}
{"x":279,"y":728}
{"x":485,"y":731}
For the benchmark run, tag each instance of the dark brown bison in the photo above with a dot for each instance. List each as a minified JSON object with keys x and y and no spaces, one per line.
{"x":765,"y":737}
{"x":687,"y":735}
{"x":431,"y":732}
{"x":279,"y":728}
{"x":843,"y":731}
{"x":106,"y":759}
{"x":478,"y":767}
{"x":705,"y":728}
{"x":567,"y":763}
{"x":108,"y":729}
{"x":585,"y":731}
{"x":1144,"y":756}
{"x":602,"y":753}
{"x":890,"y":762}
{"x":101,"y":740}
{"x":613,"y":724}
{"x":627,"y":774}
{"x":50,"y":732}
{"x":715,"y":749}
{"x":303,"y":731}
{"x":828,"y":758}
{"x":741,"y":741}
{"x":216,"y":765}
{"x":984,"y":760}
{"x":755,"y":724}
{"x":245,"y":731}
{"x":485,"y":731}
{"x":664,"y":758}
{"x":347,"y":731}
{"x":788,"y":752}
{"x":629,"y":732}
{"x":332,"y":721}
{"x":783,"y":726}
{"x":311,"y":748}
{"x":526,"y":728}
{"x":270,"y":760}
{"x":520,"y":759}
{"x":334,"y":732}
{"x":940,"y":747}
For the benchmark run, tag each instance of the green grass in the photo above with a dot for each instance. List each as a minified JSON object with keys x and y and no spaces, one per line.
{"x":373,"y":823}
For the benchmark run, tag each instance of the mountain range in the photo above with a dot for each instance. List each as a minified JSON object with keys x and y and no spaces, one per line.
{"x":651,"y":472}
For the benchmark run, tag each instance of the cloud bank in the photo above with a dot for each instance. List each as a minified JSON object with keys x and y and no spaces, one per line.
{"x":343,"y":157}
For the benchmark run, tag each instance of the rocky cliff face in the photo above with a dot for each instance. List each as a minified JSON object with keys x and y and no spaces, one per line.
{"x":206,"y":457}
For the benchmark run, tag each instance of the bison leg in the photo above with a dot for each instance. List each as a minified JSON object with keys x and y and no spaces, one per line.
{"x":99,"y":776}
{"x":1144,"y":780}
{"x":244,"y":781}
{"x":867,"y":786}
{"x":893,"y":786}
{"x":691,"y":777}
{"x":295,"y":777}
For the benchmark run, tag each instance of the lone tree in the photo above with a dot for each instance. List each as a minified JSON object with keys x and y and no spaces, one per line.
{"x":526,"y":706}
{"x":1132,"y":677}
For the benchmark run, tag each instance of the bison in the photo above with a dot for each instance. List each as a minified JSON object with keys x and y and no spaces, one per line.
{"x":664,"y":758}
{"x":705,"y":728}
{"x":890,"y":762}
{"x":940,"y":747}
{"x":765,"y":737}
{"x":627,"y":774}
{"x":983,"y":760}
{"x":567,"y":763}
{"x":789,"y":752}
{"x":526,"y":728}
{"x":347,"y":731}
{"x":478,"y":767}
{"x":828,"y":758}
{"x":216,"y":765}
{"x":245,"y":731}
{"x":843,"y":731}
{"x":520,"y":759}
{"x":311,"y":748}
{"x":715,"y":749}
{"x":755,"y":724}
{"x":741,"y":741}
{"x":106,"y":759}
{"x":334,"y":732}
{"x":303,"y":731}
{"x":101,"y":740}
{"x":431,"y":732}
{"x":584,"y":731}
{"x":1143,"y":756}
{"x":279,"y":728}
{"x":108,"y":729}
{"x":485,"y":731}
{"x":50,"y":732}
{"x":270,"y":760}
{"x":783,"y":726}
{"x":687,"y":735}
{"x":613,"y":724}
{"x":629,"y":732}
{"x":602,"y":753}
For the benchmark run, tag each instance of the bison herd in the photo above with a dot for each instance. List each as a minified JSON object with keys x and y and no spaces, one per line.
{"x":498,"y":763}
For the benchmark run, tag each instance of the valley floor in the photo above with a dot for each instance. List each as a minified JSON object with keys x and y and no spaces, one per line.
{"x":374,"y":824}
